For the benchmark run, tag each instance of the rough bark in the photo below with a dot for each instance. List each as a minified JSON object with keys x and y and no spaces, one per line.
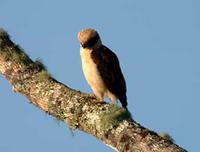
{"x":112,"y":125}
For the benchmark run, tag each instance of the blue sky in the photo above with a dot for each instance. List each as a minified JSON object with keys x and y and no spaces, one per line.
{"x":157,"y":43}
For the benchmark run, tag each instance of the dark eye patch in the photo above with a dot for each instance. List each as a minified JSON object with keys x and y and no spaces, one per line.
{"x":91,"y":42}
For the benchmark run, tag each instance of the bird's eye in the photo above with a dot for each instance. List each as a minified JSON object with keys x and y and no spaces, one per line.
{"x":83,"y":45}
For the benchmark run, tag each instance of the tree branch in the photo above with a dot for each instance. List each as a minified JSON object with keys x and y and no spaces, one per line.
{"x":107,"y":122}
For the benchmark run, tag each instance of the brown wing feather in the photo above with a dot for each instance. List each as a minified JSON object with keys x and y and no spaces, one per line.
{"x":110,"y":71}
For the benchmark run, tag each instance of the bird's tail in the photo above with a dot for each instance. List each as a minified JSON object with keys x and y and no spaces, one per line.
{"x":123,"y":100}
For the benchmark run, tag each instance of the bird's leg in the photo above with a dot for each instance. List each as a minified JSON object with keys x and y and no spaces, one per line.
{"x":112,"y":97}
{"x":114,"y":102}
{"x":99,"y":96}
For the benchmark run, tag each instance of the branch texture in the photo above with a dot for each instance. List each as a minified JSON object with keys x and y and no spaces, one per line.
{"x":107,"y":122}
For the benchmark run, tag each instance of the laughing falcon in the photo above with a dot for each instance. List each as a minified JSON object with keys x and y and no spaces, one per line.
{"x":101,"y":68}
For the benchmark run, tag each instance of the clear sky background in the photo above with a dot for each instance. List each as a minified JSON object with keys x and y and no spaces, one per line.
{"x":158,"y":45}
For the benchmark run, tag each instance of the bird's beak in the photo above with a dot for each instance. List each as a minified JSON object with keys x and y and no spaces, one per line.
{"x":83,"y":45}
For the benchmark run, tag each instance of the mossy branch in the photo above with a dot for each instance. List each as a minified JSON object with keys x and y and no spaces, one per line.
{"x":107,"y":122}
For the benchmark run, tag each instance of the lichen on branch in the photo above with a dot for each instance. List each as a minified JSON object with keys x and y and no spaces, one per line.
{"x":112,"y":125}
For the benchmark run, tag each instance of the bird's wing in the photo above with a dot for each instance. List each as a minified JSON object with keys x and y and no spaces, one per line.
{"x":110,"y":71}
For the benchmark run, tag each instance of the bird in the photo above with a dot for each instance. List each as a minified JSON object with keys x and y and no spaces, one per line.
{"x":101,"y":68}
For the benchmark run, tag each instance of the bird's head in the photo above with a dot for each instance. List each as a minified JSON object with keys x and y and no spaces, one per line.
{"x":89,"y":38}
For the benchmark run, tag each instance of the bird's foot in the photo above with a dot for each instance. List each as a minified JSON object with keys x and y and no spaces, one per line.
{"x":114,"y":102}
{"x":93,"y":96}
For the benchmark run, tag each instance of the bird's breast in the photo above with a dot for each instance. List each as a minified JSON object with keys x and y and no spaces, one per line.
{"x":90,"y":71}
